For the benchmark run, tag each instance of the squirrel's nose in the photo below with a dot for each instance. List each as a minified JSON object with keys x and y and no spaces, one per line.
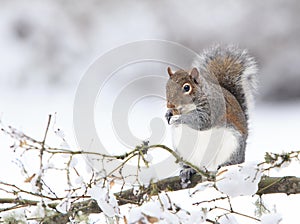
{"x":170,"y":105}
{"x":168,"y":116}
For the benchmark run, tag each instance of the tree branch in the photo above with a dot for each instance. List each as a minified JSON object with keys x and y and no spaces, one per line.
{"x":267,"y":185}
{"x":272,"y":185}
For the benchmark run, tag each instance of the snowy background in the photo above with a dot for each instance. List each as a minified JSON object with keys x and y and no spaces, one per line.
{"x":47,"y":45}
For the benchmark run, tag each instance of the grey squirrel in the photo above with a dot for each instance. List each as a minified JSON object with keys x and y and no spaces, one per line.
{"x":208,"y":107}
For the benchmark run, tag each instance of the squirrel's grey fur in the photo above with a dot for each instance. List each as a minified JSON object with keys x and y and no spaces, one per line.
{"x":223,"y":84}
{"x":243,"y":86}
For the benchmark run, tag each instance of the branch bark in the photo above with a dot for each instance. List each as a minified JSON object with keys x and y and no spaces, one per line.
{"x":272,"y":185}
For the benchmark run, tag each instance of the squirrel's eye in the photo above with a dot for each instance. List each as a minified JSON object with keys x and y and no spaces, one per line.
{"x":186,"y":87}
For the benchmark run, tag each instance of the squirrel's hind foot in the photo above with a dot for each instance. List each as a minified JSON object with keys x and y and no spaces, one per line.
{"x":185,"y":175}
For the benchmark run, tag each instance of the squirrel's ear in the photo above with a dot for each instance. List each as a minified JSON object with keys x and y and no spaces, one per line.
{"x":170,"y":71}
{"x":195,"y":74}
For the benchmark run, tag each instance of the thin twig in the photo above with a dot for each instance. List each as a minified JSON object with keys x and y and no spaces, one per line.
{"x":235,"y":212}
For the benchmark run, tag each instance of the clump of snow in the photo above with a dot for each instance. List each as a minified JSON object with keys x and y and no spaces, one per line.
{"x":73,"y":162}
{"x":79,"y":180}
{"x":165,"y":200}
{"x":33,"y":182}
{"x":228,"y":219}
{"x":238,"y":180}
{"x":60,"y":133}
{"x":152,"y":209}
{"x":105,"y":199}
{"x":148,"y":157}
{"x":162,"y":210}
{"x":147,"y":174}
{"x":191,"y":216}
{"x":38,"y":211}
{"x":88,"y":168}
{"x":196,"y":216}
{"x":18,"y":216}
{"x":201,"y":187}
{"x":169,"y":217}
{"x":64,"y":206}
{"x":273,"y":218}
{"x":48,"y":166}
{"x":135,"y":215}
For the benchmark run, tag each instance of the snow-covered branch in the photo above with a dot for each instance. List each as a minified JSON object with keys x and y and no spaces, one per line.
{"x":92,"y":192}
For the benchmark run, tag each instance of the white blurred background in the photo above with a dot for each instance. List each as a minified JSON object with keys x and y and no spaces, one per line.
{"x":47,"y":46}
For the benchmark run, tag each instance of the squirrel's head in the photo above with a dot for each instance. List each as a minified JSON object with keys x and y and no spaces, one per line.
{"x":182,"y":88}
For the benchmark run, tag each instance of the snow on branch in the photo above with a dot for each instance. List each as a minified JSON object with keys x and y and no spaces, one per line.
{"x":90,"y":191}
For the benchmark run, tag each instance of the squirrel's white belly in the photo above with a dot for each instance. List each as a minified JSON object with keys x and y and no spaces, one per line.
{"x":205,"y":149}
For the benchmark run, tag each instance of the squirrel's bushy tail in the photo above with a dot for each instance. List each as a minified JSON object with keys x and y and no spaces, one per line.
{"x":234,"y":69}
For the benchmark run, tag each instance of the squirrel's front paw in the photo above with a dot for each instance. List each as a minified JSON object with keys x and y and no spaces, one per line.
{"x":175,"y":120}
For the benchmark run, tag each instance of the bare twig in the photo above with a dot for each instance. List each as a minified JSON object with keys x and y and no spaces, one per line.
{"x":235,"y":212}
